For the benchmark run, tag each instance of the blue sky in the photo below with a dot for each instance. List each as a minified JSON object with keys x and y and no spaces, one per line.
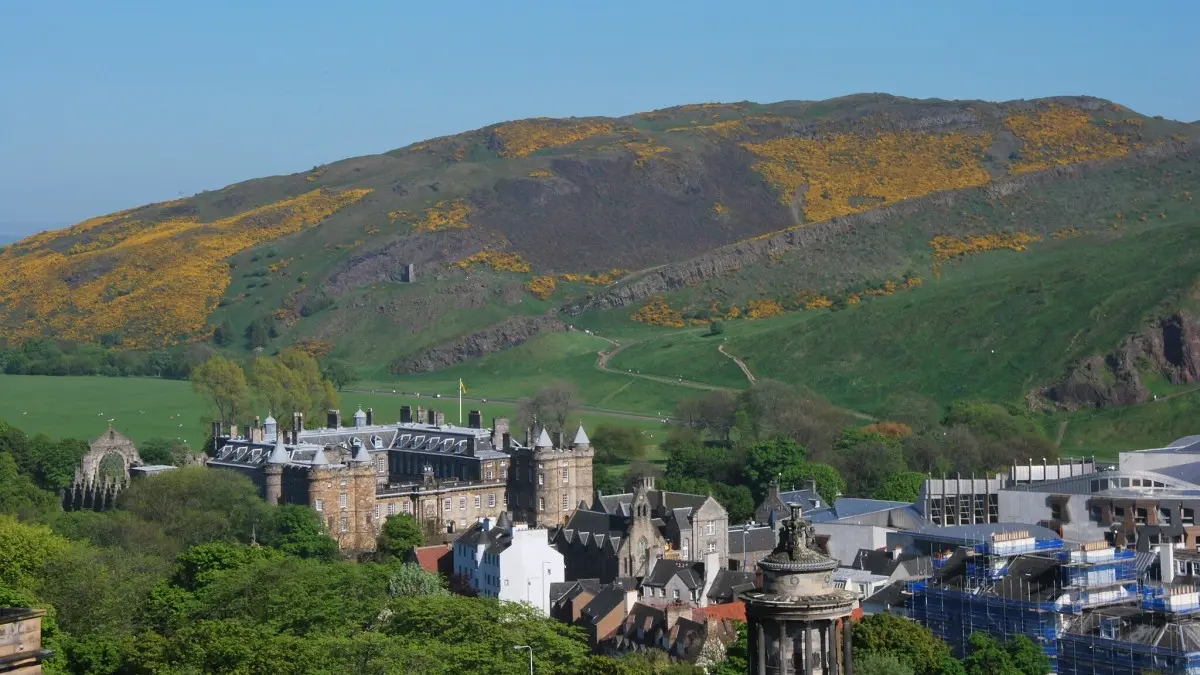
{"x":106,"y":105}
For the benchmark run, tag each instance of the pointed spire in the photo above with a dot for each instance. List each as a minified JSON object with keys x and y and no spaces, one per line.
{"x":361,"y":455}
{"x":319,"y":458}
{"x":543,"y":440}
{"x":279,"y":454}
{"x":581,"y":438}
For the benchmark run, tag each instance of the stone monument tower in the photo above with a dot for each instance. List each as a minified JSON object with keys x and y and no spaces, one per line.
{"x":799,"y":624}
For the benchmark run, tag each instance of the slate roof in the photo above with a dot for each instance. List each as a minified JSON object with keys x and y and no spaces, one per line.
{"x":689,"y":572}
{"x":969,"y":535}
{"x":605,"y":602}
{"x":729,"y":584}
{"x":883,"y":562}
{"x":760,"y":538}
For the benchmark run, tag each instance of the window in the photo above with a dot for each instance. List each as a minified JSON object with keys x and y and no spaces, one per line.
{"x":685,"y":548}
{"x":675,"y":594}
{"x":377,"y":507}
{"x":342,"y":500}
{"x":541,"y":479}
{"x":462,"y":503}
{"x":566,"y":504}
{"x":477,"y":500}
{"x":1139,"y":515}
{"x":1095,"y":486}
{"x":407,"y":507}
{"x":446,"y":504}
{"x":1096,"y":512}
{"x":488,"y":473}
{"x":343,"y":524}
{"x":1119,"y":514}
{"x":491,"y":500}
{"x":503,"y":473}
{"x":1189,"y":516}
{"x":712,"y":546}
{"x":1056,"y":511}
{"x":709,"y":529}
{"x":1130,"y":538}
{"x":319,"y":505}
{"x":541,"y":503}
{"x":1164,"y":516}
{"x":505,"y":497}
{"x":380,"y":464}
{"x":566,"y":475}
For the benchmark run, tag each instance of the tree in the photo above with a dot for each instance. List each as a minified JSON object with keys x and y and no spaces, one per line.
{"x":830,"y":484}
{"x":283,"y":390}
{"x":605,"y":482}
{"x":223,"y":383}
{"x":689,"y":456}
{"x":18,"y":494}
{"x":901,"y":487}
{"x":911,"y":643}
{"x":258,"y":334}
{"x":875,"y":663}
{"x":551,"y":406}
{"x":714,"y":412}
{"x":988,"y":657}
{"x":339,"y":373}
{"x":766,"y":460}
{"x":197,"y":505}
{"x":409,"y":580}
{"x":223,"y":336}
{"x":321,"y":392}
{"x":24,"y":550}
{"x":737,"y":655}
{"x":298,"y":532}
{"x":1026,"y":656}
{"x":866,"y":458}
{"x":617,"y":444}
{"x":715,"y":328}
{"x":170,"y":452}
{"x":400,"y":534}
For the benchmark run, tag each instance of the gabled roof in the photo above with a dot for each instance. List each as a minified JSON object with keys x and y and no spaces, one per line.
{"x":880,"y":562}
{"x":761,"y":538}
{"x":689,"y":572}
{"x":605,"y":602}
{"x":430,"y":558}
{"x":729,"y":584}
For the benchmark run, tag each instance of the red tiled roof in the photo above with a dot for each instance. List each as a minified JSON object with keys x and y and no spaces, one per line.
{"x":429,"y":557}
{"x":735,"y":611}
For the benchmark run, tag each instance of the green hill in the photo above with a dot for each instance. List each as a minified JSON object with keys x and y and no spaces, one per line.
{"x":861,"y":246}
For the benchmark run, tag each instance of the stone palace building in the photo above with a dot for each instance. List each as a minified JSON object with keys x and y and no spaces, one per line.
{"x":446,"y":476}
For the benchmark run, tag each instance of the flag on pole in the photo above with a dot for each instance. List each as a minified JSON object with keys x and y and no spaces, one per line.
{"x":462,"y":388}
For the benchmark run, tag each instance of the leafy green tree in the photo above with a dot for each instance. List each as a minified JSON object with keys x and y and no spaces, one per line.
{"x":157,"y":450}
{"x":409,"y":580}
{"x":876,"y":663}
{"x":198,"y":505}
{"x":615,"y":444}
{"x":339,"y":373}
{"x":222,"y":383}
{"x":688,"y":456}
{"x":98,"y":591}
{"x":258,"y":334}
{"x":117,"y":529}
{"x":736,"y":499}
{"x":198,"y":566}
{"x":911,"y":643}
{"x":715,"y":328}
{"x":830,"y":484}
{"x":866,"y":458}
{"x":18,"y":494}
{"x":55,"y":462}
{"x":988,"y":657}
{"x":24,"y":550}
{"x":901,"y":487}
{"x":298,"y":532}
{"x":766,"y":460}
{"x":605,"y":482}
{"x":713,"y":413}
{"x":399,"y":535}
{"x":1027,"y":657}
{"x":737,"y":655}
{"x":322,"y":395}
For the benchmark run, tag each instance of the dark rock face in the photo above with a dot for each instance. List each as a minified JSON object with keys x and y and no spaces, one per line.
{"x":386,"y":263}
{"x":492,"y":339}
{"x":1168,"y":346}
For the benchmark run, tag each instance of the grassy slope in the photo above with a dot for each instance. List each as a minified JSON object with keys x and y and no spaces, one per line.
{"x":71,"y":407}
{"x":993,"y":327}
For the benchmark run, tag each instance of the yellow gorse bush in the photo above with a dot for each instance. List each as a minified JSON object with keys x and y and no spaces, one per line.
{"x":153,"y":285}
{"x":444,"y":215}
{"x":521,"y":139}
{"x":657,"y":312}
{"x":1058,"y":134}
{"x":848,"y":173}
{"x":501,"y":261}
{"x":542,"y":287}
{"x":762,"y":309}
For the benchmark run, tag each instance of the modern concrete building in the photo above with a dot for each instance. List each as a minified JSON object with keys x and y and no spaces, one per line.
{"x":509,"y":561}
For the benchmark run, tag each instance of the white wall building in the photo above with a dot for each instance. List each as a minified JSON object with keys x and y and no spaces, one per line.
{"x":509,"y":561}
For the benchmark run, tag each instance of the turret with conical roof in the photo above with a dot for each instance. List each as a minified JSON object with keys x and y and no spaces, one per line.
{"x":274,"y":471}
{"x":543,"y":440}
{"x":581,"y":439}
{"x":361,"y":456}
{"x":360,"y":418}
{"x":319,"y":458}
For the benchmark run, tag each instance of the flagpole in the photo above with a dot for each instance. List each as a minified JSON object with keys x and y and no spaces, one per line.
{"x":460,"y":388}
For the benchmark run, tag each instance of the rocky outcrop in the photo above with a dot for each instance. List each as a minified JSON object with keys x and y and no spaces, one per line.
{"x":729,"y":258}
{"x":1169,"y":347}
{"x":492,"y":339}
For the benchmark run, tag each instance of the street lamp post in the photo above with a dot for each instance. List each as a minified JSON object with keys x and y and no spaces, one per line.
{"x":530,"y":656}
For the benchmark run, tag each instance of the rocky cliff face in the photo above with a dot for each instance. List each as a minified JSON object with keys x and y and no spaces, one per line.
{"x":1168,"y":346}
{"x":492,"y":339}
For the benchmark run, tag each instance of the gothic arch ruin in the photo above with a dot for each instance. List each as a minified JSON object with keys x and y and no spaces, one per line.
{"x":111,"y":442}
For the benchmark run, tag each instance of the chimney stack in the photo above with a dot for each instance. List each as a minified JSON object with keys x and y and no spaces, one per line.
{"x":557,"y":439}
{"x":475,"y":419}
{"x":246,"y":429}
{"x":406,"y":414}
{"x":506,"y":439}
{"x":370,"y":416}
{"x":333,"y":419}
{"x":499,"y":428}
{"x":1166,"y":562}
{"x":431,"y":416}
{"x":439,"y":418}
{"x":419,"y":418}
